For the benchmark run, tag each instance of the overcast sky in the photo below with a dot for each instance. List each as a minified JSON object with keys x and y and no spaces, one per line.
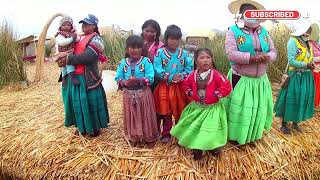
{"x":29,"y":16}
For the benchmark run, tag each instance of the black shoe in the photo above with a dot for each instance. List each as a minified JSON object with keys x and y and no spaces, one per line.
{"x":77,"y":133}
{"x":285,"y":130}
{"x":296,"y":127}
{"x":216,"y":152}
{"x":165,"y":138}
{"x":197,"y":154}
{"x":235,"y":143}
{"x":95,"y":133}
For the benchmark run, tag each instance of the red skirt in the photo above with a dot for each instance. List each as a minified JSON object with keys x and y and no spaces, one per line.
{"x":316,"y":76}
{"x":170,"y":99}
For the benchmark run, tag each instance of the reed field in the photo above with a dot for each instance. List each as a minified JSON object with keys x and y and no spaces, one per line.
{"x":11,"y":65}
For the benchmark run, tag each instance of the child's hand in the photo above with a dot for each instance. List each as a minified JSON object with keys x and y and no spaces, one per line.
{"x":73,"y":31}
{"x":74,"y":36}
{"x":217,"y":94}
{"x":60,"y":55}
{"x":177,"y":78}
{"x":166,"y":76}
{"x":133,"y":82}
{"x":62,"y":63}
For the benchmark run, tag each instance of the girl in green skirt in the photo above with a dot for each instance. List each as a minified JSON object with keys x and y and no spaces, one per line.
{"x":203,"y":123}
{"x":85,"y":104}
{"x":295,"y":102}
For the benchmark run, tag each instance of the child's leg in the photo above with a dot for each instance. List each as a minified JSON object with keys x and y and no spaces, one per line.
{"x":167,"y":125}
{"x":216,"y":152}
{"x":70,"y":71}
{"x":197,"y":154}
{"x":159,"y":119}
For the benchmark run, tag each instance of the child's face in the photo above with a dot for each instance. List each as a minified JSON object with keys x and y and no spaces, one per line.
{"x":134,"y":52}
{"x":149,"y":33}
{"x":88,"y":28}
{"x":173,"y":43}
{"x":204,"y":62}
{"x":66,"y":26}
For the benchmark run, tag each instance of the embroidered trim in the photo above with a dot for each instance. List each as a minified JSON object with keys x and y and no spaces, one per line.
{"x":180,"y":53}
{"x":129,"y":63}
{"x":166,"y":53}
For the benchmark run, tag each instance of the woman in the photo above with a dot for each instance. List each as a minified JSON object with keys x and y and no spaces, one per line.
{"x":249,"y":49}
{"x":316,"y":59}
{"x":85,"y":104}
{"x":295,"y":102}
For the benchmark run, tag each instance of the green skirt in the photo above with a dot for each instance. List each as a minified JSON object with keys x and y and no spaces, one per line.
{"x":85,"y":109}
{"x":202,"y":127}
{"x":296,"y":102}
{"x":249,"y":108}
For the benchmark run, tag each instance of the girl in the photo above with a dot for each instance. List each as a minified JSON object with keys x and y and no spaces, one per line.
{"x":295,"y":103}
{"x":151,"y":32}
{"x":65,"y":39}
{"x":316,"y":73}
{"x":85,"y":104}
{"x":203,"y":123}
{"x":134,"y":75}
{"x":172,"y":65}
{"x":249,"y":49}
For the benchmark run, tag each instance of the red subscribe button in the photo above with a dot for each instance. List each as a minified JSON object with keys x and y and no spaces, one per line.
{"x":269,"y":14}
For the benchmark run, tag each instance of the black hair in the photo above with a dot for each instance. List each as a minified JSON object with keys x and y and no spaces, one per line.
{"x":206,"y":50}
{"x":155,"y":25}
{"x":96,"y":30}
{"x":135,"y":41}
{"x":172,"y":31}
{"x":245,"y":7}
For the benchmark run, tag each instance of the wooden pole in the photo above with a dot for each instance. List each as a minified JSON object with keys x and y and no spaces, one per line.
{"x":41,"y":48}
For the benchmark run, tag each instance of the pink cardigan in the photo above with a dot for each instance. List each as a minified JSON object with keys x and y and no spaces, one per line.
{"x":242,"y":66}
{"x":218,"y":86}
{"x":152,"y":50}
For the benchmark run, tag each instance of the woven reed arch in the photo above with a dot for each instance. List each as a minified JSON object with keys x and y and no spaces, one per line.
{"x":41,"y":48}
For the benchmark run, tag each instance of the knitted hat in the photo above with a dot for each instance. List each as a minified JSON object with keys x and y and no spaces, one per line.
{"x":65,"y":19}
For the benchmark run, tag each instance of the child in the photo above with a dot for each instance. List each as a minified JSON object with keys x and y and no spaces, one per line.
{"x":172,"y":65}
{"x":191,"y":50}
{"x":203,"y":123}
{"x":316,"y":72}
{"x":65,"y":39}
{"x":151,"y":32}
{"x":134,"y":75}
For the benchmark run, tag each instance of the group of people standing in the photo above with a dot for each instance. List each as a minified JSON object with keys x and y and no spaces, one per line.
{"x":165,"y":96}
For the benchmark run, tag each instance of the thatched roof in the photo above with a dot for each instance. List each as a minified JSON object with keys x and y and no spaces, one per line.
{"x":205,"y":33}
{"x":31,"y":38}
